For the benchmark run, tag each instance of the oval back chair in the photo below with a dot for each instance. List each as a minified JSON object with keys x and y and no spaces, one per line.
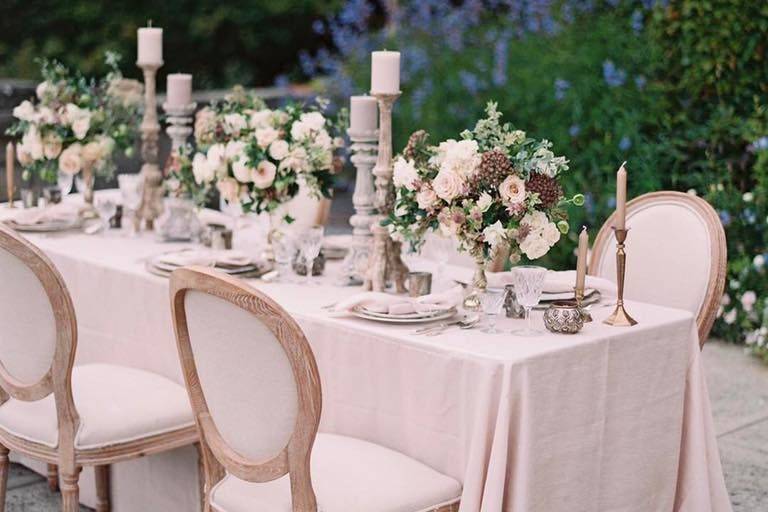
{"x":255,"y":391}
{"x":676,"y":254}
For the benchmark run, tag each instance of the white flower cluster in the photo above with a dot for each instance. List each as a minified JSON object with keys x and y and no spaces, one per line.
{"x":542,"y":236}
{"x":544,"y":161}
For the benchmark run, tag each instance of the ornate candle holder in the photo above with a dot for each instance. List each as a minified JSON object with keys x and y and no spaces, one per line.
{"x":179,"y":124}
{"x":364,"y":154}
{"x":620,"y":317}
{"x":152,"y":195}
{"x":578,"y":293}
{"x":385,"y":264}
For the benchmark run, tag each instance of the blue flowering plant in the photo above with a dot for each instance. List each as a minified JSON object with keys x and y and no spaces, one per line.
{"x":494,"y":189}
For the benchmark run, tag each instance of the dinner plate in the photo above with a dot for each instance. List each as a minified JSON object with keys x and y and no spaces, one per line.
{"x":414,"y":315}
{"x":46,"y":227}
{"x":402,"y":319}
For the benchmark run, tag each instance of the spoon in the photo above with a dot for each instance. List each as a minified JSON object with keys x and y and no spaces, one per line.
{"x":465,"y":323}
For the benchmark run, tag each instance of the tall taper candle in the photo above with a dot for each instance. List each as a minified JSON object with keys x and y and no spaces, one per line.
{"x":621,"y":198}
{"x":150,"y":49}
{"x":363,"y":115}
{"x":179,"y":90}
{"x":581,"y":261}
{"x":9,"y":171}
{"x":385,"y":72}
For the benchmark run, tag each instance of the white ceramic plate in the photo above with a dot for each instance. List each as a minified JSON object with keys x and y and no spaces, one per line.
{"x":46,"y":227}
{"x":402,"y":319}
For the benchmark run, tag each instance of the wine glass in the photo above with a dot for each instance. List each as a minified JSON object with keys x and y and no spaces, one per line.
{"x":492,"y":301}
{"x":65,"y":181}
{"x":311,"y":242}
{"x":529,"y":283}
{"x":284,"y":248}
{"x":131,"y":188}
{"x":106,"y":208}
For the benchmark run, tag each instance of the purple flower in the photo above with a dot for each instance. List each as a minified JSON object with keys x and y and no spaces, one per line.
{"x":636,"y":21}
{"x":625,"y":143}
{"x":318,"y":27}
{"x":725,"y":217}
{"x":749,"y":216}
{"x":640,"y":82}
{"x":561,"y":87}
{"x":611,"y":202}
{"x":614,"y":77}
{"x":761,"y":143}
{"x":574,"y":130}
{"x":500,"y":58}
{"x":469,"y":81}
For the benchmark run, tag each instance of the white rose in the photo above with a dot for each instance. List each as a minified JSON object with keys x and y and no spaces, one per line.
{"x":234,"y":150}
{"x":265,"y":174}
{"x":47,"y":115}
{"x":279,"y":118}
{"x":730,"y":317}
{"x":534,"y":246}
{"x":748,"y":300}
{"x":404,"y":173}
{"x":512,"y":190}
{"x":260,"y":118}
{"x":426,"y":198}
{"x":296,"y":160}
{"x":551,"y":234}
{"x":25,"y":111}
{"x":323,"y":140}
{"x":536,"y":221}
{"x":43,"y":89}
{"x":278,"y":149}
{"x":22,"y":154}
{"x":266,"y":136}
{"x":70,"y":160}
{"x":229,"y":189}
{"x":203,"y":172}
{"x":461,"y":157}
{"x":243,"y":173}
{"x":314,"y":120}
{"x":217,"y":158}
{"x":33,"y":144}
{"x":484,"y":202}
{"x":448,"y":185}
{"x":299,"y":131}
{"x":759,"y":261}
{"x":91,"y":152}
{"x":494,"y":234}
{"x":234,"y":124}
{"x":80,"y":127}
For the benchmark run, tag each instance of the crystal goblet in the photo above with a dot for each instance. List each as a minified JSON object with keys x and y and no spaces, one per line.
{"x":529,"y":283}
{"x":492,"y":300}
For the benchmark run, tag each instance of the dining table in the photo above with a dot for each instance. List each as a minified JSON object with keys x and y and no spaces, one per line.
{"x":608,"y":419}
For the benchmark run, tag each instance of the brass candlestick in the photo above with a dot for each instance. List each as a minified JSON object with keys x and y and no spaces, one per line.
{"x":578,"y":293}
{"x":385,"y":264}
{"x":620,"y":317}
{"x":152,"y":195}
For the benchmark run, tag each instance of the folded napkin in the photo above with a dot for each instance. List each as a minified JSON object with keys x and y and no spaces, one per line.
{"x":386,"y":303}
{"x":206,"y":258}
{"x":62,"y":212}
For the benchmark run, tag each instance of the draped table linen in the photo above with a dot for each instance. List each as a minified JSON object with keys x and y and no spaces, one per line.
{"x":610,"y":419}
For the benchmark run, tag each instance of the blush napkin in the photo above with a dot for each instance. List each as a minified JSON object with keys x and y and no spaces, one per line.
{"x":387,"y":303}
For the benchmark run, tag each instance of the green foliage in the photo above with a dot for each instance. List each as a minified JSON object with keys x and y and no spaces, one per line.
{"x":221,"y":42}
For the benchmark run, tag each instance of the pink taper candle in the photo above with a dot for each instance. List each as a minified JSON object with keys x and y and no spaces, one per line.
{"x":621,"y":198}
{"x":581,"y":261}
{"x":9,"y":169}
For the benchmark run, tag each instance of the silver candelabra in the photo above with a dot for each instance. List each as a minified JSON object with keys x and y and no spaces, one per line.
{"x":152,"y":196}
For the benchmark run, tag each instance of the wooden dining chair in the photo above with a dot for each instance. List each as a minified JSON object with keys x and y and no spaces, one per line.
{"x":676,"y":254}
{"x":256,"y":396}
{"x":66,"y":415}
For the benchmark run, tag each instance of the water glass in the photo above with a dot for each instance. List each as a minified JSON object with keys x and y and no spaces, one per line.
{"x":106,"y":208}
{"x":65,"y":181}
{"x":492,"y":302}
{"x":443,"y":247}
{"x":529,"y":283}
{"x":131,"y":188}
{"x":311,"y":243}
{"x":284,"y":248}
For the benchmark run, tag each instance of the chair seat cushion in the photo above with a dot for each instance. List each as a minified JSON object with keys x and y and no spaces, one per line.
{"x":116,"y":404}
{"x":347,"y":475}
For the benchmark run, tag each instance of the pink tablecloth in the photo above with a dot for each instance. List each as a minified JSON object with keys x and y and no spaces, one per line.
{"x":612,"y":419}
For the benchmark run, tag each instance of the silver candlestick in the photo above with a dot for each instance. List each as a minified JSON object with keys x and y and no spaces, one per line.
{"x":384,"y":264}
{"x":364,"y":150}
{"x":179,"y":124}
{"x":152,"y":196}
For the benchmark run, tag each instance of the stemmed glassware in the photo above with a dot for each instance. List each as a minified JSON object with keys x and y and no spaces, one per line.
{"x":311,"y":243}
{"x":131,"y":187}
{"x":492,"y":301}
{"x":65,"y":181}
{"x":106,"y":208}
{"x":284,"y":248}
{"x":529,"y":283}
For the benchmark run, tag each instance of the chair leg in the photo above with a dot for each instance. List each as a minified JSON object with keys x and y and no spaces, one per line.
{"x":53,"y":477}
{"x":70,"y":491}
{"x":102,"y":488}
{"x":4,"y":467}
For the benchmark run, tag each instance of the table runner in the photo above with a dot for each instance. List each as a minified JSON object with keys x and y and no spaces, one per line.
{"x":610,"y":419}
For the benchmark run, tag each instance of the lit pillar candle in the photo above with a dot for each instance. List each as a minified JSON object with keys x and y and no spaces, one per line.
{"x":385,"y":72}
{"x":621,"y":198}
{"x":150,"y":46}
{"x":363,"y":115}
{"x":179,"y":90}
{"x":581,"y":261}
{"x":9,"y":170}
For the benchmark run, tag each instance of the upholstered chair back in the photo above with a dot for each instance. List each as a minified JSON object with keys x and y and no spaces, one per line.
{"x":676,"y":254}
{"x":251,"y":376}
{"x":38,"y":330}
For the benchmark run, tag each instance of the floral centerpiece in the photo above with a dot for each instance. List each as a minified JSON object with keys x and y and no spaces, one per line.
{"x":75,"y":124}
{"x":494,"y":188}
{"x":259,"y":157}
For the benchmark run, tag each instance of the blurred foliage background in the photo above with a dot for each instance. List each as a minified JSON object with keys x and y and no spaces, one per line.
{"x":678,"y":88}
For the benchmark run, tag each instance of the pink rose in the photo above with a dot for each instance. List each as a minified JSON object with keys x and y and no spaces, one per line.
{"x":264,"y":175}
{"x":448,"y":185}
{"x":426,"y":198}
{"x":512,"y":190}
{"x":229,"y":189}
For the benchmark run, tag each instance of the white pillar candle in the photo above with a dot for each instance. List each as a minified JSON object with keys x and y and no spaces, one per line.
{"x":385,"y":72}
{"x":581,"y":261}
{"x":621,"y":198}
{"x":179,"y":90}
{"x":363,"y":114}
{"x":150,"y":46}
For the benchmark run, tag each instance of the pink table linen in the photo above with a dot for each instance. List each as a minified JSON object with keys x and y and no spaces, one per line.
{"x":611,"y":419}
